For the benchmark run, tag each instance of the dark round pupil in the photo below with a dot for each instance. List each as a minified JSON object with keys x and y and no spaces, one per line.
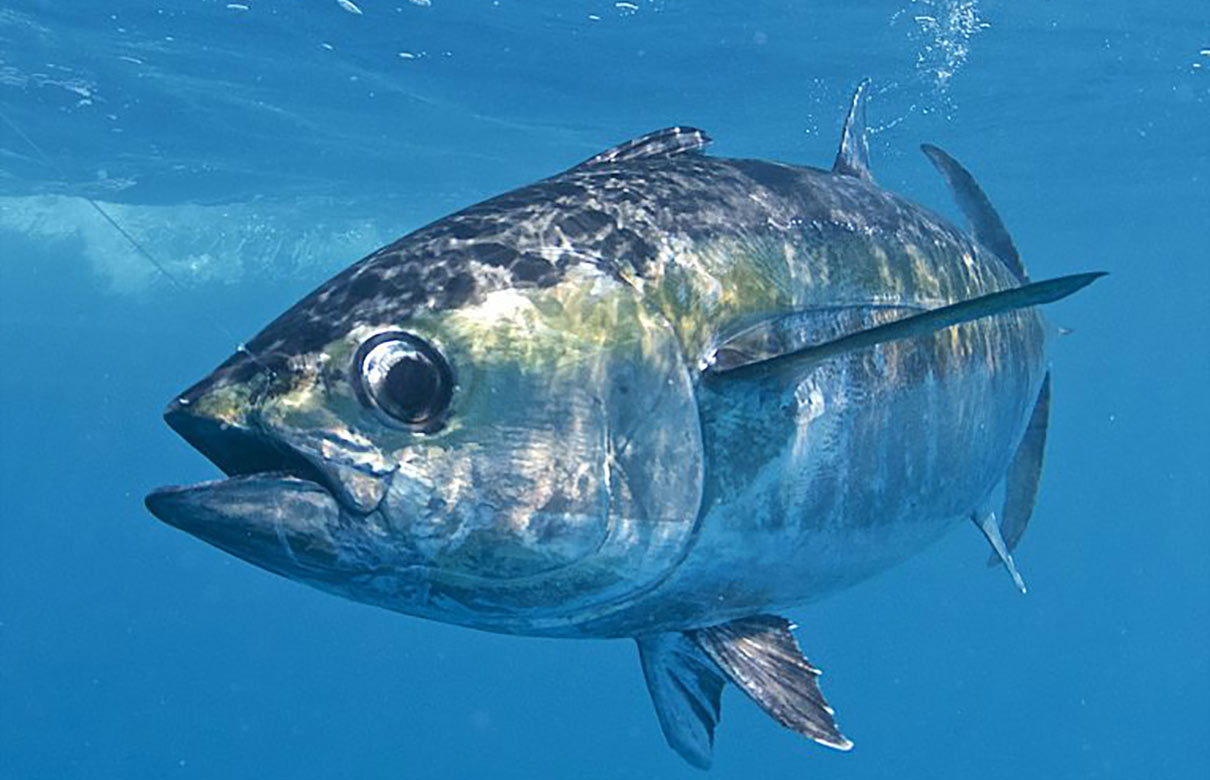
{"x":410,"y":387}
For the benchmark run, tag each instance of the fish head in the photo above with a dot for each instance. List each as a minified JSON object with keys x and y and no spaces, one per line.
{"x":513,"y":456}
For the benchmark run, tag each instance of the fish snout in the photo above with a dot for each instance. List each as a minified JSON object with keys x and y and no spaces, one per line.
{"x":283,"y":506}
{"x":218,"y":419}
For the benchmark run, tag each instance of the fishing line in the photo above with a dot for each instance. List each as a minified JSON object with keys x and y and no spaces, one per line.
{"x":138,"y":248}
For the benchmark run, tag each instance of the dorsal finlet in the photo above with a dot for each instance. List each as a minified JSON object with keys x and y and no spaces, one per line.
{"x":669,"y":142}
{"x":853,"y":157}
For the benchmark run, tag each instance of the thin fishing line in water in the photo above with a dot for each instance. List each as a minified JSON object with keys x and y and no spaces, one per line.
{"x":139,"y":248}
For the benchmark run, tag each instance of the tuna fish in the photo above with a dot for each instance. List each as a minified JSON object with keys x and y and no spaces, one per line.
{"x":660,"y":395}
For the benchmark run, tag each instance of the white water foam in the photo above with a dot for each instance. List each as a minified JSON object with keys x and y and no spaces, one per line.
{"x":202,"y":244}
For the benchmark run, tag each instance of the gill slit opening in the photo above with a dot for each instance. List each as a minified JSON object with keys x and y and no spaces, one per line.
{"x":138,"y":248}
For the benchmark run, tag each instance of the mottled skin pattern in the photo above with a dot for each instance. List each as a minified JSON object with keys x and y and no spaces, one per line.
{"x":590,"y":479}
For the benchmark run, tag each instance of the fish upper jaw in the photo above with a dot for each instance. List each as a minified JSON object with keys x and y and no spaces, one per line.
{"x":357,"y":475}
{"x":291,"y":504}
{"x":225,"y":418}
{"x":233,"y":443}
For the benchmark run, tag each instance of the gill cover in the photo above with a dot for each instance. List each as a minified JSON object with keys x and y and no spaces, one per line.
{"x":565,"y":476}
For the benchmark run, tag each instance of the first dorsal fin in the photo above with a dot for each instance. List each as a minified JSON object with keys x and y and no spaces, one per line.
{"x":853,"y":157}
{"x":986,"y":225}
{"x":668,"y":142}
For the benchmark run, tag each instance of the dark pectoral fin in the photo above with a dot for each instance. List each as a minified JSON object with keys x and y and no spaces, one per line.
{"x":760,"y":655}
{"x":686,"y":688}
{"x":1024,"y":473}
{"x":916,"y":325}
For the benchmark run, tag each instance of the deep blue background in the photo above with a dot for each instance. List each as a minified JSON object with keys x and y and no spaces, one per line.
{"x":129,"y":650}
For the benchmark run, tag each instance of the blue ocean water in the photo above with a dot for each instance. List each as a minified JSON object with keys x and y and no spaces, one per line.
{"x":257,"y":147}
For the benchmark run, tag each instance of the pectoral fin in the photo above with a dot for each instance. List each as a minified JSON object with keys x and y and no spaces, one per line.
{"x":916,"y":325}
{"x":686,"y":688}
{"x":761,"y":656}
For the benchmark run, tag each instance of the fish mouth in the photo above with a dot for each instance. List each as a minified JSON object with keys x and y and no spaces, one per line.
{"x":238,"y":450}
{"x":274,"y":509}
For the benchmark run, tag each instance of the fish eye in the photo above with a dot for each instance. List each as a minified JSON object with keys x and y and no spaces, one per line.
{"x":406,"y":378}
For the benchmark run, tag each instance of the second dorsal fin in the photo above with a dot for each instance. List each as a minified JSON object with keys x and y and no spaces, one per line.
{"x":853,"y":157}
{"x":668,"y":142}
{"x":986,"y":225}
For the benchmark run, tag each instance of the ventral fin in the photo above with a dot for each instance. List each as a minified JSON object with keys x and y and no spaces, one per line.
{"x":669,"y":142}
{"x":853,"y":157}
{"x":760,"y":655}
{"x":686,"y":688}
{"x":1024,"y":473}
{"x":986,"y":225}
{"x":986,"y":522}
{"x":915,"y":325}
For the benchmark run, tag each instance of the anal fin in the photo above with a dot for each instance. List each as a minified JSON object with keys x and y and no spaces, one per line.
{"x":686,"y":688}
{"x":1024,"y":473}
{"x":760,"y":655}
